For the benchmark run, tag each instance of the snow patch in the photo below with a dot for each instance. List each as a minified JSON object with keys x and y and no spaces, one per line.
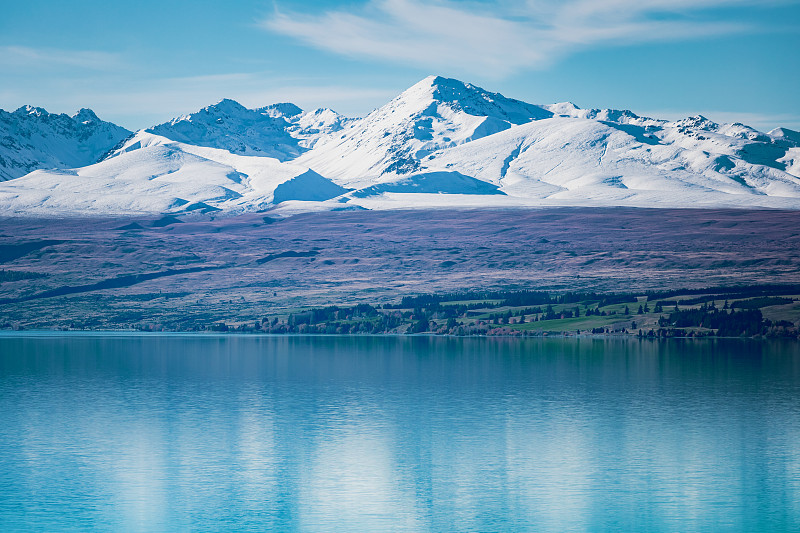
{"x":431,"y":183}
{"x":308,"y":187}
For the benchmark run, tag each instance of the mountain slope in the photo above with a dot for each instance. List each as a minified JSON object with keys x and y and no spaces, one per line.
{"x":435,"y":113}
{"x":31,"y":139}
{"x":572,"y":159}
{"x":282,"y":131}
{"x":228,"y":125}
{"x":153,"y":174}
{"x":308,"y":127}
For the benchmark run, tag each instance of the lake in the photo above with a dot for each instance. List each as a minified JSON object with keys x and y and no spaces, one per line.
{"x":116,"y":432}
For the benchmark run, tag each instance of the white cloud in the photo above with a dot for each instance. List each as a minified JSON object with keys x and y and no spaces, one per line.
{"x":496,"y":38}
{"x":26,"y":57}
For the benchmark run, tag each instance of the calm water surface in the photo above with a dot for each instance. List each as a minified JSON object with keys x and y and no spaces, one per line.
{"x":164,"y":433}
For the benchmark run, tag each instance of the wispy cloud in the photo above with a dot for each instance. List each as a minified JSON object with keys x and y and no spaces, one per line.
{"x":23,"y":56}
{"x":501,"y":36}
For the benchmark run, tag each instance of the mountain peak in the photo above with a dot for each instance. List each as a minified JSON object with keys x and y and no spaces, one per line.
{"x":281,"y":109}
{"x":785,"y":134}
{"x":563,"y":108}
{"x":436,"y":84}
{"x":226,"y":105}
{"x":85,"y":115}
{"x":465,"y":97}
{"x":31,"y":110}
{"x":231,"y":126}
{"x":439,"y":81}
{"x":698,"y":122}
{"x":433,"y":114}
{"x":32,"y":138}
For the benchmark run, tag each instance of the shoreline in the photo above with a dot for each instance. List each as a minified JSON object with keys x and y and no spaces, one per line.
{"x":215,"y":334}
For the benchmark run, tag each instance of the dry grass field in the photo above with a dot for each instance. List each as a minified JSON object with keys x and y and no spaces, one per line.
{"x":171,"y":273}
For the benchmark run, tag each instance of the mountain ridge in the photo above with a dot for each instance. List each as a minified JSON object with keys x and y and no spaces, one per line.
{"x":32,"y":138}
{"x":440,"y":142}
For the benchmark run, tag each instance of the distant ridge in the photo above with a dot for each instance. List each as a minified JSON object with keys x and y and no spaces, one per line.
{"x":31,"y":139}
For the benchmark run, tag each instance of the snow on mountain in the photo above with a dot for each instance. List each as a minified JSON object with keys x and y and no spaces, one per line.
{"x":565,"y":159}
{"x":282,"y":131}
{"x":312,"y":126}
{"x":152,"y":174}
{"x":435,"y":113}
{"x":434,"y":182}
{"x":625,"y":116}
{"x":308,"y":127}
{"x":613,"y":157}
{"x":284,"y":110}
{"x":31,"y":139}
{"x":231,"y":126}
{"x":792,"y":161}
{"x":440,"y":143}
{"x":786,"y":135}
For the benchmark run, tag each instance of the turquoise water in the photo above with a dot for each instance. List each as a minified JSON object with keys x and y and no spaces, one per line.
{"x":164,"y":433}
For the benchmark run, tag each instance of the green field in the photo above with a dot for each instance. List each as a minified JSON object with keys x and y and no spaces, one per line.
{"x":739,"y":311}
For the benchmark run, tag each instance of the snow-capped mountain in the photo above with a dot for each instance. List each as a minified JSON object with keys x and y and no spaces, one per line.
{"x":231,"y":126}
{"x":31,"y":139}
{"x":564,"y":159}
{"x":151,"y":173}
{"x":435,"y":114}
{"x":282,"y":131}
{"x":307,"y":127}
{"x":620,"y":116}
{"x":440,"y":143}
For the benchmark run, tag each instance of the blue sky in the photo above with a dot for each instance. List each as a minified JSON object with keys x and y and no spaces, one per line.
{"x":144,"y":62}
